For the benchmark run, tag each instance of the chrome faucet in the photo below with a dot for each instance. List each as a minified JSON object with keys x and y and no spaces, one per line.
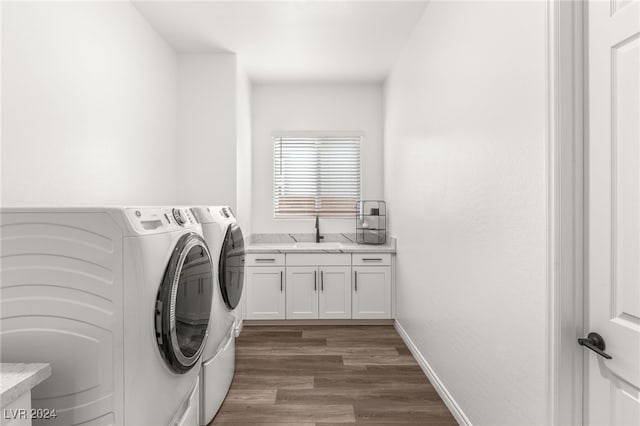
{"x":317,"y":227}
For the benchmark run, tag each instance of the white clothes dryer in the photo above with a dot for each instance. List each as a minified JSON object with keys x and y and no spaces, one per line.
{"x":225,"y":239}
{"x":118,"y":301}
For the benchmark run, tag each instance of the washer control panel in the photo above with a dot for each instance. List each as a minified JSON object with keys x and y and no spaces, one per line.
{"x":179,"y":216}
{"x":227,"y":212}
{"x":153,"y":220}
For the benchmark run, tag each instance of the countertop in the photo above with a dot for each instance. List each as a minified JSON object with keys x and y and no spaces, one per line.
{"x":17,"y":379}
{"x":269,"y":247}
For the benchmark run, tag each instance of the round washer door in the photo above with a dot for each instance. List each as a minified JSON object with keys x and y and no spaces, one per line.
{"x":231,"y":266}
{"x":183,"y":304}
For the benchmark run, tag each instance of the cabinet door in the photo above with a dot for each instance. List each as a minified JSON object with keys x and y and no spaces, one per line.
{"x":302,"y":292}
{"x":335,"y":292}
{"x":265,"y":292}
{"x":371,"y":292}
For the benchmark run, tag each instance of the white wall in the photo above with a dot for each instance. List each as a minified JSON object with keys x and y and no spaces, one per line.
{"x":244,"y":164}
{"x":88,"y":106}
{"x":465,"y":181}
{"x":207,"y":129}
{"x":313,"y":107}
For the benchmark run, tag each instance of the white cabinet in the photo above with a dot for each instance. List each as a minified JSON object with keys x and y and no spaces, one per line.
{"x":318,"y":292}
{"x":302,"y":292}
{"x":265,"y":290}
{"x":371,"y":292}
{"x":300,"y":286}
{"x":335,"y":292}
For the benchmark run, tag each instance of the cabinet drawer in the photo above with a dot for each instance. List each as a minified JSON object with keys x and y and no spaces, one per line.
{"x":319,"y":259}
{"x":264,"y":259}
{"x":371,"y":259}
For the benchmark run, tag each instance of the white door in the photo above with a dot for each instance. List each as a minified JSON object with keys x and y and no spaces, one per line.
{"x":265,"y":292}
{"x":335,"y":292}
{"x":612,"y":386}
{"x":302,"y":292}
{"x":371,"y":292}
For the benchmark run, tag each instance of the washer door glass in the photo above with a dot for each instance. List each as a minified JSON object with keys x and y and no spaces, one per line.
{"x":231,"y":271}
{"x":183,"y":305}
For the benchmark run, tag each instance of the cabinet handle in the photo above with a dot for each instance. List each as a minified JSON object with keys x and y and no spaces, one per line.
{"x":315,"y":281}
{"x":372,"y":259}
{"x":281,"y":282}
{"x":322,"y":280}
{"x":265,"y":260}
{"x":355,"y":276}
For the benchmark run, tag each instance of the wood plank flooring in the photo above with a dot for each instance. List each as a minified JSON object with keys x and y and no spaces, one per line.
{"x":328,"y":375}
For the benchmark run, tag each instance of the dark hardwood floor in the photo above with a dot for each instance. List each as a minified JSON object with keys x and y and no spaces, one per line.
{"x":326,"y":375}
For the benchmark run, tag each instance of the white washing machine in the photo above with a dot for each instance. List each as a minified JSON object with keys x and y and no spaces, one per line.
{"x":226,"y":242}
{"x":118,"y":300}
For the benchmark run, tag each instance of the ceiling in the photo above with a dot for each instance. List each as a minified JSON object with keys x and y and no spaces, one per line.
{"x":292,"y":41}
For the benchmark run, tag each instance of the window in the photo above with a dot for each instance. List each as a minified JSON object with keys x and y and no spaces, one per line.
{"x":316,"y":176}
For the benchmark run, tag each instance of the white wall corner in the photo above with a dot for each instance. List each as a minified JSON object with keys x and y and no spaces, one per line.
{"x":438,"y":385}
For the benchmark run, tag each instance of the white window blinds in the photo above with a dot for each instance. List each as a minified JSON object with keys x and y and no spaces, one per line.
{"x":316,"y":176}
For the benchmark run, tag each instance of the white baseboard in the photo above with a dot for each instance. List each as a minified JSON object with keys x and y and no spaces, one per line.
{"x":319,"y":322}
{"x":451,"y":404}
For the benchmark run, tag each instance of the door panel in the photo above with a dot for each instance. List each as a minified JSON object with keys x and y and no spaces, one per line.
{"x":372,"y":292}
{"x":231,"y":266}
{"x":335,"y":292}
{"x":613,"y":386}
{"x":183,"y":304}
{"x":302,"y":292}
{"x":265,"y":293}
